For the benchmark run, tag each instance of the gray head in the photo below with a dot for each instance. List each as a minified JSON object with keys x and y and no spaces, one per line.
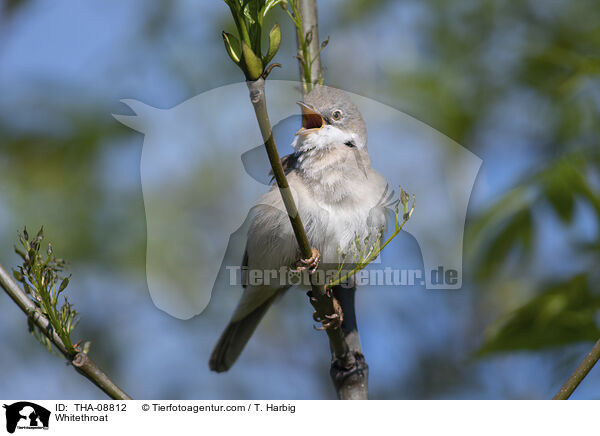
{"x":331,"y":146}
{"x":331,"y":120}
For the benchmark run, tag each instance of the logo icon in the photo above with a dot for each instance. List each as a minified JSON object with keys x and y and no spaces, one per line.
{"x":25,"y":415}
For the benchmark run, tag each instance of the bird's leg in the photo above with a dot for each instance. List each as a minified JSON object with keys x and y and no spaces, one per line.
{"x":328,"y":321}
{"x":311,"y":264}
{"x":331,"y":321}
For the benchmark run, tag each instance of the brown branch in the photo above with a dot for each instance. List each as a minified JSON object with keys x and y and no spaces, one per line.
{"x":579,"y":374}
{"x":80,"y":361}
{"x":350,"y":377}
{"x":351,"y":383}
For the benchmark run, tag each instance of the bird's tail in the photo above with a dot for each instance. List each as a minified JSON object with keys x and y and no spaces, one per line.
{"x":234,"y":338}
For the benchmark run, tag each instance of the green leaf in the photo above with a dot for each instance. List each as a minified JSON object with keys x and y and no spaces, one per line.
{"x":516,"y":231}
{"x":20,"y":252}
{"x":64,"y":284}
{"x":40,"y":235}
{"x":232,"y":45}
{"x":274,"y":43}
{"x":560,"y":184}
{"x":270,"y":4}
{"x":562,"y":201}
{"x":562,"y":313}
{"x":86,"y":347}
{"x":231,"y":3}
{"x":252,"y":63}
{"x":308,"y":38}
{"x":250,"y":10}
{"x":31,"y":256}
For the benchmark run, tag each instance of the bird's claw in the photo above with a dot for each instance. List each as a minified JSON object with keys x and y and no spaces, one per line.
{"x":311,"y":264}
{"x":330,"y":321}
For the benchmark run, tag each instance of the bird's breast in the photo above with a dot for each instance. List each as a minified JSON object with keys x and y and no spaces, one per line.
{"x":333,"y":227}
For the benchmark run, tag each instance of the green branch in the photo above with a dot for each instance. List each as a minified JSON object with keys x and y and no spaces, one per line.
{"x":245,"y":49}
{"x":48,"y":322}
{"x":304,"y":16}
{"x":367,"y":254}
{"x":39,"y":275}
{"x":320,"y":298}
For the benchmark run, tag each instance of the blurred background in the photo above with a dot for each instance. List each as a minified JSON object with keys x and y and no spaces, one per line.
{"x":515,"y":82}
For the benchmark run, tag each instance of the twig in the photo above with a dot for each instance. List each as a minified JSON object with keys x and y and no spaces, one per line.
{"x":579,"y":374}
{"x":350,"y":378}
{"x":308,"y":12}
{"x":312,"y":72}
{"x":304,"y":16}
{"x":80,"y":361}
{"x":350,"y":381}
{"x":321,"y":299}
{"x":374,"y":251}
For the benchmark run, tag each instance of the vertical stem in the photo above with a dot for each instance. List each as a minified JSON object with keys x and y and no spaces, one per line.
{"x":350,"y":377}
{"x":312,"y":57}
{"x":352,"y":383}
{"x":258,"y":99}
{"x":240,"y":23}
{"x":320,"y":297}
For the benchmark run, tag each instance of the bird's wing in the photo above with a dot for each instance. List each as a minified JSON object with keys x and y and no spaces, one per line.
{"x":289,"y":162}
{"x":245,"y":263}
{"x":387,"y":200}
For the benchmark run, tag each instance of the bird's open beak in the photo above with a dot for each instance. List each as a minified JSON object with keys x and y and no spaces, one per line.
{"x":311,"y":119}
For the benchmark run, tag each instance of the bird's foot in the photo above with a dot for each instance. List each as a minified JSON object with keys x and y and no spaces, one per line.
{"x":330,"y":321}
{"x":311,"y":264}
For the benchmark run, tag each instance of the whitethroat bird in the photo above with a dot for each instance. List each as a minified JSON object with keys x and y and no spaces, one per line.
{"x":340,"y":198}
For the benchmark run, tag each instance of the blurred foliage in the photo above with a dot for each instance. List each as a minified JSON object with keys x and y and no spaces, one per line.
{"x":52,"y":176}
{"x":508,"y":225}
{"x":56,"y":161}
{"x":561,"y":66}
{"x":558,"y":314}
{"x":562,"y":313}
{"x":9,"y":7}
{"x":550,"y":53}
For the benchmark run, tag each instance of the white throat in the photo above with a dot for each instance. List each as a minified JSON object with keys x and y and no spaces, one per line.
{"x":331,"y":168}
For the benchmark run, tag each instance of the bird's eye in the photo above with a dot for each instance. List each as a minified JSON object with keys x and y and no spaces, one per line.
{"x":336,"y":115}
